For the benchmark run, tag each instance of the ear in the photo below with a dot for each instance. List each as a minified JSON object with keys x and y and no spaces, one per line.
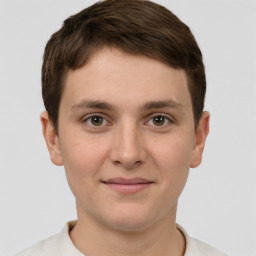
{"x":51,"y":139}
{"x":200,"y":138}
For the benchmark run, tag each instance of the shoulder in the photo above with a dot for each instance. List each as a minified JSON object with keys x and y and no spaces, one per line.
{"x":42,"y":248}
{"x":59,"y":244}
{"x":198,"y":248}
{"x":201,"y":248}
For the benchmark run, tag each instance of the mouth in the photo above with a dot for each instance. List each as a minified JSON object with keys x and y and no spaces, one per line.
{"x":128,"y":186}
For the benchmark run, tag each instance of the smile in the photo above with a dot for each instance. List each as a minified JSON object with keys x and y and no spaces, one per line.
{"x":128,"y":186}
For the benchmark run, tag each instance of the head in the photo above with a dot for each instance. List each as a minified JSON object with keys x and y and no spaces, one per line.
{"x":136,"y":27}
{"x":123,"y":85}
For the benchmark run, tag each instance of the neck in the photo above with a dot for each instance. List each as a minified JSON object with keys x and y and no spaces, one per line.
{"x":94,"y":238}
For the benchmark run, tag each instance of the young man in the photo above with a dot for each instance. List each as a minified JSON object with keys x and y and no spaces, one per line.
{"x":124,"y":86}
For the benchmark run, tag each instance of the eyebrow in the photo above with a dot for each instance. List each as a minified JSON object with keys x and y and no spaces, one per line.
{"x":84,"y":104}
{"x":161,"y":104}
{"x":96,"y":104}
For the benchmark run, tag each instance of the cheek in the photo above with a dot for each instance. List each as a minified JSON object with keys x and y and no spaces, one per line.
{"x":172,"y":158}
{"x":172,"y":152}
{"x":82,"y":157}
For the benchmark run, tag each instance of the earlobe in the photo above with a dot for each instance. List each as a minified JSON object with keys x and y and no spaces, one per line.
{"x":200,"y":138}
{"x":51,"y":139}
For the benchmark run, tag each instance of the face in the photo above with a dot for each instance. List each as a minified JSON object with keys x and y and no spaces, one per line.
{"x":126,"y":139}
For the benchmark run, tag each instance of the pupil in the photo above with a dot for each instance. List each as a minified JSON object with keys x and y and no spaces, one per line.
{"x":97,"y":120}
{"x":159,"y":120}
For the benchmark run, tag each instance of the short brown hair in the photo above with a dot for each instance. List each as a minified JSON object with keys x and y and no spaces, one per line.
{"x":137,"y":27}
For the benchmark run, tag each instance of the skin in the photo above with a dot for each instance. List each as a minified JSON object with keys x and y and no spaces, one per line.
{"x":126,"y":116}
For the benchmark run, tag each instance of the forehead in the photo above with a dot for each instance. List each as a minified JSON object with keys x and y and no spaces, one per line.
{"x":120,"y":78}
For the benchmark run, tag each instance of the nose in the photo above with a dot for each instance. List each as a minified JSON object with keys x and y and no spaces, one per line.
{"x":128,"y":148}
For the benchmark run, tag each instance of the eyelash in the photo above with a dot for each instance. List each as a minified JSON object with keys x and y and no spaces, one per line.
{"x":107,"y":123}
{"x":166,"y":119}
{"x":88,"y":118}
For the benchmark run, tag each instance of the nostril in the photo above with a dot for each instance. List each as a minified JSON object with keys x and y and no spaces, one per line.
{"x":117,"y":162}
{"x":127,"y":165}
{"x":138,"y":162}
{"x":127,"y":153}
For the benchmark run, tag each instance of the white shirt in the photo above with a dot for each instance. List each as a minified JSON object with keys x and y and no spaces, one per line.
{"x":61,"y":245}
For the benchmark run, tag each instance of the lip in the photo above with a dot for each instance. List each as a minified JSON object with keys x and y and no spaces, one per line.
{"x":128,"y":186}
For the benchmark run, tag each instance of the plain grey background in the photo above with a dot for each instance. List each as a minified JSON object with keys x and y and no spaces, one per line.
{"x":218,"y":205}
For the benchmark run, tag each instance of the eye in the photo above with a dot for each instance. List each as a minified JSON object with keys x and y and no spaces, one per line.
{"x":96,"y":120}
{"x":159,"y":120}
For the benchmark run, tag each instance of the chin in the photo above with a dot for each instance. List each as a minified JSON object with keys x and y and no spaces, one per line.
{"x":129,"y":225}
{"x":130,"y":219}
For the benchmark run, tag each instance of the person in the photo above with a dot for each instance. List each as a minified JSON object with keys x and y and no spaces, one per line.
{"x":123,"y":84}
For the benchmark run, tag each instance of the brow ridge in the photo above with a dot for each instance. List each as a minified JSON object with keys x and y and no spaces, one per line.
{"x":83,"y":104}
{"x":97,"y":104}
{"x":161,"y":104}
